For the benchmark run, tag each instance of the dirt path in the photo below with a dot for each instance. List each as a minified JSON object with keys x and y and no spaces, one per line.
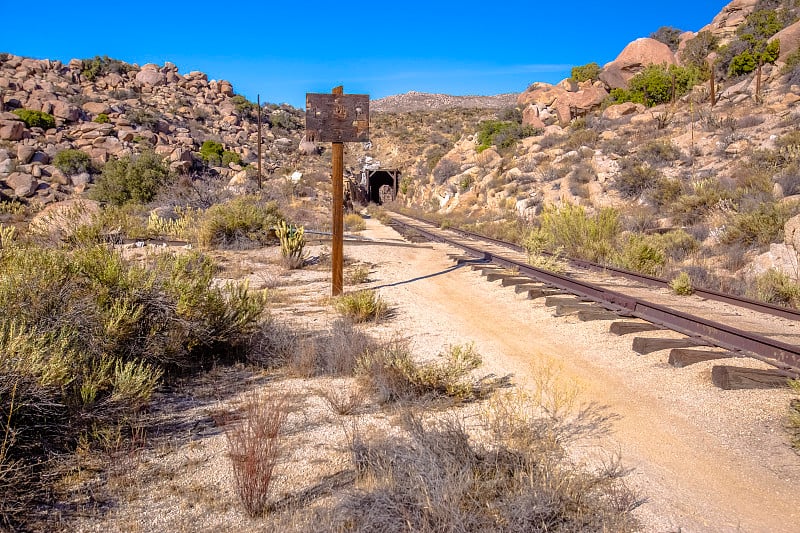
{"x":706,"y":459}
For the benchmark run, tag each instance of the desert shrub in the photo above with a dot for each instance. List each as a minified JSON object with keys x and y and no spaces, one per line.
{"x":391,"y":372}
{"x":516,"y":476}
{"x":101,"y":66}
{"x":361,"y":306}
{"x":581,"y":137}
{"x":663,"y":191}
{"x":211,"y":152}
{"x":293,"y":242}
{"x":143,"y":117}
{"x":658,"y":84}
{"x":658,"y":152}
{"x":669,"y":36}
{"x":641,"y":254}
{"x":777,"y":287}
{"x":102,"y":118}
{"x":354,"y":222}
{"x":579,"y":235}
{"x":36,"y":119}
{"x":503,"y":134}
{"x":245,"y":108}
{"x":229,"y":157}
{"x":682,"y":284}
{"x":254,"y":449}
{"x":697,"y":49}
{"x":635,"y":177}
{"x":762,"y":226}
{"x":242,"y":222}
{"x":131,"y":179}
{"x":677,"y":244}
{"x":72,"y":161}
{"x":85,"y":337}
{"x":587,"y":72}
{"x":704,"y":195}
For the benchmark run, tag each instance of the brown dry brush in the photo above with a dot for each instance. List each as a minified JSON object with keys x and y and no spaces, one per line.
{"x":442,"y":477}
{"x":254,"y":448}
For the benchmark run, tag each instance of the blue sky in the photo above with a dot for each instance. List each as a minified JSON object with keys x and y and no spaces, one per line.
{"x":284,"y":49}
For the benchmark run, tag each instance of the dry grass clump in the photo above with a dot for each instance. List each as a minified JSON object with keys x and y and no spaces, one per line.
{"x":357,"y":275}
{"x":510,"y":474}
{"x":343,"y":400}
{"x":334,"y":352}
{"x":392,"y":374}
{"x":361,"y":306}
{"x":354,"y":222}
{"x":254,"y":448}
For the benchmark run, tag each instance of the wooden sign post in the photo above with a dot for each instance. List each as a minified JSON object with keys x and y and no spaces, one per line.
{"x":337,"y":118}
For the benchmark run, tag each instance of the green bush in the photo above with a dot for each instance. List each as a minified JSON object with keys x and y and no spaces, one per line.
{"x":214,"y":153}
{"x":682,"y":284}
{"x":658,"y":84}
{"x":101,"y":118}
{"x":361,"y":306}
{"x":776,"y":287}
{"x":146,"y":118}
{"x":72,"y":161}
{"x":36,"y":119}
{"x":641,"y":254}
{"x":762,"y":226}
{"x":85,"y":337}
{"x":100,"y":66}
{"x":587,"y":72}
{"x":243,"y":222}
{"x":131,"y":179}
{"x":502,"y":134}
{"x":571,"y":229}
{"x":658,"y":152}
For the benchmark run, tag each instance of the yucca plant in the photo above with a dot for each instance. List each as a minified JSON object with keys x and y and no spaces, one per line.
{"x":293,"y":242}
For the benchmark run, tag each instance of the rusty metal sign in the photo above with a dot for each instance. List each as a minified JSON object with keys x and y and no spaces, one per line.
{"x":338,"y":118}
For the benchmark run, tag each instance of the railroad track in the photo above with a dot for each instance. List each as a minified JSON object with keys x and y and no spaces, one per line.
{"x":722,"y":325}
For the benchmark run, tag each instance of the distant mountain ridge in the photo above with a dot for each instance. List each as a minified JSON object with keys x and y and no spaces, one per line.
{"x":419,"y":101}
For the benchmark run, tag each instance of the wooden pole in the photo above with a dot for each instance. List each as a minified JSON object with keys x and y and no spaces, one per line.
{"x":259,"y":141}
{"x":337,"y":176}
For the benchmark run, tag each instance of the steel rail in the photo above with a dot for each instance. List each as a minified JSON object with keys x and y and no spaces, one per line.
{"x":747,"y":303}
{"x":772,"y":351}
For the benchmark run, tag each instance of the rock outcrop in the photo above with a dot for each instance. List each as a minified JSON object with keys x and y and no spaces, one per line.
{"x":117,"y":112}
{"x":543,"y":104}
{"x":633,"y":59}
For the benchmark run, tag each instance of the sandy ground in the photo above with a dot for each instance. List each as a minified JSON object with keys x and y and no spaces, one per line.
{"x":704,"y":459}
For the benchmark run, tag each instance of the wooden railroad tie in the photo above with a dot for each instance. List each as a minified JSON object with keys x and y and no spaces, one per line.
{"x":596,"y":313}
{"x":572,"y":308}
{"x":554,"y":301}
{"x":646,"y":345}
{"x":681,"y":357}
{"x":624,"y":328}
{"x":541,"y":292}
{"x":736,"y":378}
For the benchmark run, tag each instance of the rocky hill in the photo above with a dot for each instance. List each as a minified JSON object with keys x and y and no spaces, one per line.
{"x":109,"y":109}
{"x":415,"y":101}
{"x":682,"y":130}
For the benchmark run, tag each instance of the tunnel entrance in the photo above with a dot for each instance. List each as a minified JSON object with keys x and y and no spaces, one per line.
{"x":381,"y":185}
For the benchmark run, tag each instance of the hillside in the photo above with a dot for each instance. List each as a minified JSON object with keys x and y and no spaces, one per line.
{"x":643,"y":135}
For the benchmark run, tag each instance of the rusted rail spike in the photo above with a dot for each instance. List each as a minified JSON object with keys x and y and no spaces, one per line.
{"x":772,"y":351}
